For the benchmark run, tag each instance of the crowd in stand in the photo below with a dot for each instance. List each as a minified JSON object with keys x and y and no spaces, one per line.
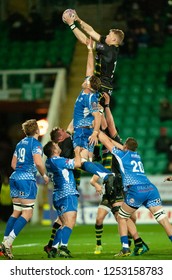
{"x":144,"y":22}
{"x":34,"y":26}
{"x":163,"y":145}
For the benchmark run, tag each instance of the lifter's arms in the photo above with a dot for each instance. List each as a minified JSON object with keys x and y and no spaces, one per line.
{"x":108,"y":142}
{"x":89,"y":72}
{"x":90,"y":58}
{"x":93,"y":139}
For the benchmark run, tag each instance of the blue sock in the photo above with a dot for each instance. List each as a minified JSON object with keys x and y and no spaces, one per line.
{"x":96,"y":169}
{"x":10,"y":225}
{"x":170,"y":237}
{"x":66,"y":232}
{"x":58,"y":237}
{"x":124,"y":242}
{"x":19,"y":225}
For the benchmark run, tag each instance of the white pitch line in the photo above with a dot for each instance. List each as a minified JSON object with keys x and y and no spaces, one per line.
{"x":26,"y":245}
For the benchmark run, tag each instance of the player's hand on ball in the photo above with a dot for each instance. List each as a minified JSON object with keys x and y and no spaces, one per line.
{"x":69,"y":16}
{"x":76,"y":16}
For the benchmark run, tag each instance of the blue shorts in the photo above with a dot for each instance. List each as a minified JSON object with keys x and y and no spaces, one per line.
{"x":66,"y":204}
{"x":25,"y":189}
{"x":80,"y":138}
{"x":147,"y":195}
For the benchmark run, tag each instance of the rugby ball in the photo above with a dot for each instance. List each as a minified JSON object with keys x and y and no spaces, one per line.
{"x":68,"y":12}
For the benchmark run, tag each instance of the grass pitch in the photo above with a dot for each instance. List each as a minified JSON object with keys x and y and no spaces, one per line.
{"x":30,"y":242}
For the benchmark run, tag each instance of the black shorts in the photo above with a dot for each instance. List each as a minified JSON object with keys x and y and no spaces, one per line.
{"x":108,"y":203}
{"x":106,"y":89}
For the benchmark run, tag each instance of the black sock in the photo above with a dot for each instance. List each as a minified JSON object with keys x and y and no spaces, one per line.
{"x":129,"y":240}
{"x":138,"y":242}
{"x":53,"y":233}
{"x":99,"y":232}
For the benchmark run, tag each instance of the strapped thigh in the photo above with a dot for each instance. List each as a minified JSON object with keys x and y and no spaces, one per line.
{"x":28,"y":206}
{"x":123,"y":214}
{"x":17,"y":206}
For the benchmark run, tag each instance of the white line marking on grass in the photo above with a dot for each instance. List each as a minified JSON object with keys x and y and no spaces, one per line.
{"x":26,"y":245}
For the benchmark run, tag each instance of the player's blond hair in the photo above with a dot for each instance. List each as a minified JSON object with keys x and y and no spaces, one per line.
{"x":120,"y":35}
{"x":30,"y":127}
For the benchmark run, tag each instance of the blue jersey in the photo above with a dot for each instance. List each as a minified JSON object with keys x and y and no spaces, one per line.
{"x":60,"y":171}
{"x":25,"y":167}
{"x":85,"y":105}
{"x":131,"y":168}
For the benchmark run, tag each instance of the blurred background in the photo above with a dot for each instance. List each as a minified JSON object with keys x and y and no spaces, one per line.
{"x":42,"y":67}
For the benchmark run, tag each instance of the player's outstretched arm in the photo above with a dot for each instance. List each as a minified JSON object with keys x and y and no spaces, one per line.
{"x":87,"y":28}
{"x":108,"y":142}
{"x":77,"y":32}
{"x":90,"y":58}
{"x":93,"y":138}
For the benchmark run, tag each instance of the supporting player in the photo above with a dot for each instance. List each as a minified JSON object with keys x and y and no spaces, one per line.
{"x":113,"y":197}
{"x":26,"y":161}
{"x":139,"y":190}
{"x":65,"y":196}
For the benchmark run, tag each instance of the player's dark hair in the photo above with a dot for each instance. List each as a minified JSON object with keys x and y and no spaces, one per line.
{"x":54,"y":134}
{"x":48,"y":149}
{"x":95,"y":83}
{"x":131,"y":144}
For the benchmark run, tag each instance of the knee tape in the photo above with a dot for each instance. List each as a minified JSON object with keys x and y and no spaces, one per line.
{"x":159,"y":215}
{"x":123,"y":214}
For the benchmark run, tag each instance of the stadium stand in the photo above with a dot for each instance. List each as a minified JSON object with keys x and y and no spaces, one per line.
{"x":141,"y":84}
{"x":33,"y":54}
